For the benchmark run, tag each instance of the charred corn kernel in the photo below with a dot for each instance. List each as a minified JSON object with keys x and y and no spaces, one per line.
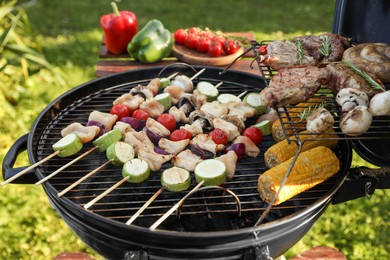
{"x":294,"y":112}
{"x":311,"y":168}
{"x":283,"y":150}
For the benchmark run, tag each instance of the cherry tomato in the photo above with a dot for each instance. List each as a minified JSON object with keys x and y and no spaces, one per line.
{"x":219,"y":136}
{"x":202,"y":45}
{"x":215,"y":49}
{"x":120,"y":110}
{"x":194,"y":30}
{"x":191,"y":40}
{"x":180,"y":134}
{"x":254,"y":134}
{"x":220,"y":39}
{"x":263,"y":49}
{"x":180,"y":36}
{"x":141,"y":114}
{"x":168,"y":121}
{"x":230,"y":46}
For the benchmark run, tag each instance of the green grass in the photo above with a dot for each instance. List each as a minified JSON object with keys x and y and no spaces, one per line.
{"x":70,"y":34}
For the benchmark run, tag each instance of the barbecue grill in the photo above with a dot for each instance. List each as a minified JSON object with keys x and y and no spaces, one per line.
{"x":209,"y":225}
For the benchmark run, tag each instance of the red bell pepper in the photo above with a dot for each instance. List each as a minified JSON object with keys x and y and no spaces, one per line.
{"x":119,"y":28}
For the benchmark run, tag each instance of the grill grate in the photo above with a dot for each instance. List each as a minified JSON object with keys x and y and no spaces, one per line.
{"x":125,"y":200}
{"x":380,"y":127}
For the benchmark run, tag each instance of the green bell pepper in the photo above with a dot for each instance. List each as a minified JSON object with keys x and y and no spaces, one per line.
{"x":152,"y":43}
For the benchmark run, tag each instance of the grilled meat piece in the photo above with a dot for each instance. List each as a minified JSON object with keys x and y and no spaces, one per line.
{"x":186,"y":160}
{"x":315,"y":46}
{"x":341,"y":76}
{"x":284,"y":54}
{"x":294,"y":85}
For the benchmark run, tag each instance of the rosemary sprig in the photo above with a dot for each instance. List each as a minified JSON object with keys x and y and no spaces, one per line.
{"x":375,"y":85}
{"x":325,"y":46}
{"x":300,"y":51}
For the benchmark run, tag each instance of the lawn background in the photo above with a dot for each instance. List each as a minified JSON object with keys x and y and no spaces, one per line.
{"x":70,"y":35}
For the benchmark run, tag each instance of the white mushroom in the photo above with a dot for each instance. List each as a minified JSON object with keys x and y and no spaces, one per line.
{"x":349,"y":98}
{"x":380,"y":104}
{"x":356,"y":121}
{"x":319,"y":121}
{"x":184,"y":82}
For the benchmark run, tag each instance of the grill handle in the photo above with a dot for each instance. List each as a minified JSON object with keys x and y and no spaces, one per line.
{"x":9,"y":160}
{"x":362,"y":182}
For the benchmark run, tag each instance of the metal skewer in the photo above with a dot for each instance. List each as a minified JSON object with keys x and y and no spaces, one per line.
{"x":83,"y":178}
{"x":65,"y":166}
{"x":176,"y":206}
{"x":147,"y":203}
{"x":30,"y":168}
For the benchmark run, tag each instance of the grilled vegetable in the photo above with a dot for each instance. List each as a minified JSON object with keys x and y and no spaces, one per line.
{"x":283,"y":151}
{"x":311,"y":168}
{"x":211,"y":171}
{"x":119,"y":153}
{"x":104,"y":141}
{"x":356,"y":121}
{"x":207,"y":89}
{"x":137,"y":170}
{"x":265,"y":127}
{"x":165,"y":100}
{"x":294,"y":112}
{"x":176,"y":179}
{"x":68,"y":145}
{"x":255,"y":100}
{"x":226,"y":98}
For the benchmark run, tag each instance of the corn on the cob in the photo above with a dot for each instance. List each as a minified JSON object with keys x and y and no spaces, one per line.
{"x":311,"y":168}
{"x":283,"y":150}
{"x":294,"y":112}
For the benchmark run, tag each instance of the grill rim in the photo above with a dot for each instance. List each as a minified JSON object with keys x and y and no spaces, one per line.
{"x":170,"y":233}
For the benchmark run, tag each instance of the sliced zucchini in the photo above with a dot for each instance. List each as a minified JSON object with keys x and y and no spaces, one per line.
{"x":164,"y":99}
{"x":207,"y":89}
{"x":119,"y":153}
{"x":265,"y":127}
{"x":226,"y":98}
{"x":104,"y":141}
{"x":176,"y":179}
{"x":211,"y":171}
{"x":137,"y":170}
{"x":164,"y":82}
{"x":254,"y":100}
{"x":68,"y":145}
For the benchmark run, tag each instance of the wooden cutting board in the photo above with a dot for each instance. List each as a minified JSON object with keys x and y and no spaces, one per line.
{"x":194,"y":57}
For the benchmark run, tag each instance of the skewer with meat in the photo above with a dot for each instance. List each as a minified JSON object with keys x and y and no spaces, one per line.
{"x":187,"y":103}
{"x":187,"y":160}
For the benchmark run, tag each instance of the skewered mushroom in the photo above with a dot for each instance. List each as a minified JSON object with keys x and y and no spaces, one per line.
{"x":142,"y":91}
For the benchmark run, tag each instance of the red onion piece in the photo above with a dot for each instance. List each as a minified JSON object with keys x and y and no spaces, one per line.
{"x":133,"y":122}
{"x":159,"y":150}
{"x":103,"y":128}
{"x":238,"y":148}
{"x":153,"y":136}
{"x":204,"y":154}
